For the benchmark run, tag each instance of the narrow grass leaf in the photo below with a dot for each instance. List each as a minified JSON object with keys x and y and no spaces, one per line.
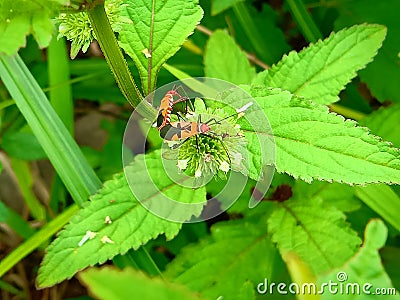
{"x":24,"y":177}
{"x":322,"y":70}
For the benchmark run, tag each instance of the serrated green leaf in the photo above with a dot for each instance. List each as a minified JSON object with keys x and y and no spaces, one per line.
{"x":364,"y":268}
{"x":322,"y":70}
{"x":385,"y":123}
{"x":132,"y":224}
{"x":157,"y":31}
{"x":383,"y":73}
{"x":18,"y":20}
{"x":237,"y":252}
{"x":312,"y":143}
{"x":110,"y":283}
{"x":311,"y":230}
{"x":224,"y":60}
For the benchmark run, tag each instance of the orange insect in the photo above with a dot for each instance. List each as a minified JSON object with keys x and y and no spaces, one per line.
{"x":166,"y":107}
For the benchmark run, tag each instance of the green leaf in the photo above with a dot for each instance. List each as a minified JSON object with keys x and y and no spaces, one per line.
{"x":218,"y":6}
{"x":15,"y":221}
{"x":110,"y":283}
{"x":311,"y":230}
{"x":322,"y":70}
{"x":383,"y":200}
{"x":338,"y":195}
{"x":267,"y":44}
{"x":312,"y":143}
{"x":132,"y":225}
{"x":383,"y":73}
{"x":224,"y":60}
{"x":24,"y":178}
{"x":237,"y":252}
{"x":17,"y":143}
{"x":385,"y":123}
{"x":158,"y":28}
{"x":364,"y":268}
{"x":390,"y":258}
{"x":18,"y":20}
{"x":61,"y":149}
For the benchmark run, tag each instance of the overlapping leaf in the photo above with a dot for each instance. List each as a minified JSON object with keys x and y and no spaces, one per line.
{"x":117,"y":219}
{"x":385,"y":122}
{"x":218,"y":6}
{"x":237,"y":252}
{"x":108,"y":283}
{"x":312,"y":143}
{"x":364,"y":270}
{"x":312,"y":230}
{"x":224,"y":60}
{"x":322,"y":70}
{"x":157,"y":31}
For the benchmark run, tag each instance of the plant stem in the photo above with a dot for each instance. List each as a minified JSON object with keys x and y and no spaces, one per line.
{"x":304,"y":21}
{"x":109,"y":45}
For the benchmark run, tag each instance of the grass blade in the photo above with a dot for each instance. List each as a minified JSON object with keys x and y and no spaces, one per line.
{"x":55,"y":139}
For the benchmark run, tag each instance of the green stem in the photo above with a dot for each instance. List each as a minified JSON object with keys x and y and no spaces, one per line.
{"x":109,"y":45}
{"x":304,"y":21}
{"x":60,"y":96}
{"x":36,"y":240}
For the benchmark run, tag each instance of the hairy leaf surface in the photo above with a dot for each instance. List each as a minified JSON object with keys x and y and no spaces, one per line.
{"x":157,"y":31}
{"x":111,"y":283}
{"x":237,"y":252}
{"x":18,"y":20}
{"x":322,"y":70}
{"x":311,"y":230}
{"x":312,"y":143}
{"x":117,"y":219}
{"x":364,"y":268}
